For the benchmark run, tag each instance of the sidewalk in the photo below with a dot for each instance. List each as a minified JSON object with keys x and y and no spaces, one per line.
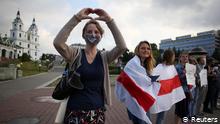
{"x":27,"y":105}
{"x":37,"y":107}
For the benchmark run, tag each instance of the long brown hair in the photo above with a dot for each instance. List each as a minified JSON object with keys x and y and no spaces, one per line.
{"x":150,"y":61}
{"x":168,"y":57}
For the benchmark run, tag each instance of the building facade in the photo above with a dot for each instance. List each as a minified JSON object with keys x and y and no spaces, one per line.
{"x":8,"y":49}
{"x":205,"y":40}
{"x":26,"y":41}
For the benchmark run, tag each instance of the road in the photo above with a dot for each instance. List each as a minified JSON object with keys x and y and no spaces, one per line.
{"x":12,"y":87}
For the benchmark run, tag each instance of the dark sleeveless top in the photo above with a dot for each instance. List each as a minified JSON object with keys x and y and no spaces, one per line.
{"x":92,"y":77}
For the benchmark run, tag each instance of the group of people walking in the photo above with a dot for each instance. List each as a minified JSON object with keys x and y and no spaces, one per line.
{"x":87,"y":105}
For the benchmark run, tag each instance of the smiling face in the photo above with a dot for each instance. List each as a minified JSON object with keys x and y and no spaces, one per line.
{"x":144,"y":51}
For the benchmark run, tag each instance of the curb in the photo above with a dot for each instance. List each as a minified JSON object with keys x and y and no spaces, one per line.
{"x":2,"y":82}
{"x":48,"y":82}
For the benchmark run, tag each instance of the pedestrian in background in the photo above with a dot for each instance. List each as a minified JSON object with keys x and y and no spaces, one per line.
{"x":181,"y":108}
{"x":212,"y":87}
{"x":202,"y":89}
{"x":168,"y":59}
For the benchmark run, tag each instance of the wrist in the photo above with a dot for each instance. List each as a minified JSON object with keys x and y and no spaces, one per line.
{"x":109,"y":20}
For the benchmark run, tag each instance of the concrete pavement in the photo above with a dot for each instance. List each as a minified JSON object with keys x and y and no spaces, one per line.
{"x":12,"y":87}
{"x":35,"y":106}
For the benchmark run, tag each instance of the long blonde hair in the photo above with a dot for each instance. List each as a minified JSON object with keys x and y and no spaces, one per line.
{"x":150,"y":61}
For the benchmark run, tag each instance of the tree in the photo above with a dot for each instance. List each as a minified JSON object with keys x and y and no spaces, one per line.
{"x":43,"y":57}
{"x":127,"y":56}
{"x":25,"y":57}
{"x":156,"y":52}
{"x":154,"y":46}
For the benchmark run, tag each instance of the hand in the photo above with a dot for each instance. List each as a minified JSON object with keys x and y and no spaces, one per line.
{"x":103,"y":16}
{"x":83,"y":14}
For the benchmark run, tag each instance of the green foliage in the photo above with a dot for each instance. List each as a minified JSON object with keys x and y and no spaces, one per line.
{"x":127,"y":56}
{"x":153,"y":46}
{"x":47,"y":60}
{"x":25,"y":57}
{"x":43,"y":57}
{"x":156,"y":52}
{"x":30,"y":68}
{"x":114,"y":69}
{"x":50,"y":57}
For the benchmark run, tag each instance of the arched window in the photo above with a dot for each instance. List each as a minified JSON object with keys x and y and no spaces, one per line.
{"x":3,"y":53}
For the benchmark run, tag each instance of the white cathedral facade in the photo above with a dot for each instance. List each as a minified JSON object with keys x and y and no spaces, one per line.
{"x":28,"y":40}
{"x":23,"y":41}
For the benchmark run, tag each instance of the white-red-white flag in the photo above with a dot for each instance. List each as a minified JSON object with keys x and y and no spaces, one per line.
{"x":170,"y":91}
{"x":135,"y":89}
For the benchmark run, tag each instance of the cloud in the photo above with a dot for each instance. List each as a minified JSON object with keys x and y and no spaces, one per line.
{"x":151,"y":20}
{"x":50,"y":16}
{"x":193,"y":14}
{"x":154,"y":20}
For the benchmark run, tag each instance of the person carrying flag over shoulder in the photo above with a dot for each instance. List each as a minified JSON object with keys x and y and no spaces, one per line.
{"x":135,"y":88}
{"x":171,"y":90}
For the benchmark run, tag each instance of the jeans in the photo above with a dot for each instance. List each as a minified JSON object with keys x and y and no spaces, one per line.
{"x":193,"y":103}
{"x":160,"y":117}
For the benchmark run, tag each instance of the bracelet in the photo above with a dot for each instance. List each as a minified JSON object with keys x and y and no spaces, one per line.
{"x":77,"y":18}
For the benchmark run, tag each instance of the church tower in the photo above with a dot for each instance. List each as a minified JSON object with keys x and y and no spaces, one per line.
{"x":28,"y":41}
{"x":17,"y":34}
{"x":33,"y":39}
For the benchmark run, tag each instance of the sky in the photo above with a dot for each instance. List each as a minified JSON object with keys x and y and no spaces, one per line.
{"x":151,"y":20}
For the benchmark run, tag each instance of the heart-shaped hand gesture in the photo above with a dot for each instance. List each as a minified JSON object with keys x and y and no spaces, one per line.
{"x":102,"y":15}
{"x":83,"y":14}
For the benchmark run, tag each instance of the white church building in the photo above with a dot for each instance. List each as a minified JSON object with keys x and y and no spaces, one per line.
{"x":22,"y":41}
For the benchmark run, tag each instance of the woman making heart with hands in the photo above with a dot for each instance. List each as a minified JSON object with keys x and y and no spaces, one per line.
{"x":88,"y":104}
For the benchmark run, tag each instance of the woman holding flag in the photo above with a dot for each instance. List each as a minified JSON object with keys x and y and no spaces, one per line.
{"x":144,"y":52}
{"x":171,"y":90}
{"x":168,"y":59}
{"x":134,"y":86}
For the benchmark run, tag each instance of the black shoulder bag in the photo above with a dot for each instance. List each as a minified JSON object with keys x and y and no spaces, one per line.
{"x":69,"y":81}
